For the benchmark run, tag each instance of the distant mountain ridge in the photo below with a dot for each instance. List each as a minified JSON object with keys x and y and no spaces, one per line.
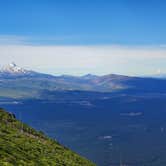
{"x":18,"y":82}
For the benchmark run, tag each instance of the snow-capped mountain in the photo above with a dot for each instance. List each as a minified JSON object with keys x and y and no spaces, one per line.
{"x":13,"y":71}
{"x":12,"y":68}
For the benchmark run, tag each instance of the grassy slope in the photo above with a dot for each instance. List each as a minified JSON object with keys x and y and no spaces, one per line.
{"x":22,"y":145}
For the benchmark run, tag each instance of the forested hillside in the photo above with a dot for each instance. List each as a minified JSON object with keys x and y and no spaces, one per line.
{"x":22,"y":145}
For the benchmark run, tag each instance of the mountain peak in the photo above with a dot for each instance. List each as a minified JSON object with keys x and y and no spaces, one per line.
{"x":89,"y":76}
{"x":12,"y":68}
{"x":12,"y":64}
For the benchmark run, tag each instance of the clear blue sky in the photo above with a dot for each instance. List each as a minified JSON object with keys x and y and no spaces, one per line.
{"x":85,"y":21}
{"x":84,"y":36}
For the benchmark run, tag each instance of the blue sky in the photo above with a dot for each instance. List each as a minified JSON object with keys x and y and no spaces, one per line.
{"x":85,"y":23}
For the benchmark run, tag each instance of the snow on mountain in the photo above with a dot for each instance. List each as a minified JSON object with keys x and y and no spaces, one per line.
{"x":12,"y":68}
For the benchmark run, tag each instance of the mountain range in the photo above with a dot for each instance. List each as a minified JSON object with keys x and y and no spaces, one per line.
{"x":17,"y":82}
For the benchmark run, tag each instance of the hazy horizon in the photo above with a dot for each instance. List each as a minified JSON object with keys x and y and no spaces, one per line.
{"x":80,"y":37}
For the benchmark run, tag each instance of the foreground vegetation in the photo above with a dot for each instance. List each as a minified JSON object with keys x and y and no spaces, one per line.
{"x":21,"y":145}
